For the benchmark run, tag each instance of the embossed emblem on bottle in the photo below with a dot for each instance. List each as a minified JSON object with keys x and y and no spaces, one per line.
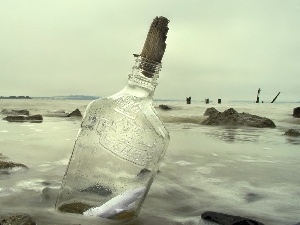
{"x":127,"y":106}
{"x":124,"y":138}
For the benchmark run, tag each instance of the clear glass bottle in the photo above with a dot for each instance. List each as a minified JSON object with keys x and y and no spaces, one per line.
{"x":118,"y":150}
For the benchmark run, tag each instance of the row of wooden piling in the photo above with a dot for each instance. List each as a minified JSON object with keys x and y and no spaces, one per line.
{"x":189,"y":100}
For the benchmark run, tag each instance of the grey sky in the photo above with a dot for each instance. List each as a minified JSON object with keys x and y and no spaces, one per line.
{"x":215,"y":49}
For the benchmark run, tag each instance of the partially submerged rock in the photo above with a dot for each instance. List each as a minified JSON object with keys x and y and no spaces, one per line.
{"x":49,"y":193}
{"x":164,"y":107}
{"x":75,"y":113}
{"x":76,"y":207}
{"x":210,"y":111}
{"x":10,"y":165}
{"x":296,"y":112}
{"x":16,"y":219}
{"x":292,"y":133}
{"x":232,"y":118}
{"x":15,"y":112}
{"x":225,"y":219}
{"x":33,"y":118}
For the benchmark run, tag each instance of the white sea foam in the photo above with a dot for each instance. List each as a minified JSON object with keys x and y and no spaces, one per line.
{"x":233,"y":165}
{"x":183,"y":163}
{"x":33,"y":184}
{"x":4,"y":192}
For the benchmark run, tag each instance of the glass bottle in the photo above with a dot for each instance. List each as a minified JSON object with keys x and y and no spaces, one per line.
{"x":118,"y":150}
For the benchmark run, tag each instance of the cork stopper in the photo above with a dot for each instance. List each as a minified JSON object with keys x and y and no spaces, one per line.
{"x":155,"y":44}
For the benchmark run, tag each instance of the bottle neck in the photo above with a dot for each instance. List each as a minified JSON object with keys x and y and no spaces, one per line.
{"x":144,"y":74}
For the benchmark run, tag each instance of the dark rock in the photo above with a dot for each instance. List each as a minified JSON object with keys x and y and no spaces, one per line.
{"x":46,"y":183}
{"x":292,"y":133}
{"x":75,"y":113}
{"x":164,"y":107}
{"x":34,"y":118}
{"x":98,"y":189}
{"x":144,"y":171}
{"x":76,"y":207}
{"x":210,"y":111}
{"x":232,"y":118}
{"x":15,"y":112}
{"x":296,"y":112}
{"x":253,"y":197}
{"x":16,"y":219}
{"x":49,"y":193}
{"x":297,"y":224}
{"x":15,"y":118}
{"x":10,"y":165}
{"x":225,"y":219}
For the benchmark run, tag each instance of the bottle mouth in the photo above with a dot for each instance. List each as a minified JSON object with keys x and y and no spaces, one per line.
{"x":147,"y":67}
{"x":145,"y":73}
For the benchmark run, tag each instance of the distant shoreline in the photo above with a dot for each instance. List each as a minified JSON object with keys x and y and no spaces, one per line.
{"x":15,"y":97}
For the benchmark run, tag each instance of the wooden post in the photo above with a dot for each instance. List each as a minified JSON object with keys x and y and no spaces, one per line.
{"x":188,"y":100}
{"x":275,"y":97}
{"x":219,"y":101}
{"x":258,"y":93}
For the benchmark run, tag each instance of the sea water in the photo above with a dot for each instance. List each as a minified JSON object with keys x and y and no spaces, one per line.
{"x":252,"y":172}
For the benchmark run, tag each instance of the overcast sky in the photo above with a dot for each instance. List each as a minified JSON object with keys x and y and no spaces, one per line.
{"x":215,"y":48}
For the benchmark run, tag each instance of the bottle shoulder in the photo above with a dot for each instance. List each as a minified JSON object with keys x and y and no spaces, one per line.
{"x":126,"y":109}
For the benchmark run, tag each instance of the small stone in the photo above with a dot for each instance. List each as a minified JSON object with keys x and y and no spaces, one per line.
{"x":144,"y":171}
{"x":296,"y":112}
{"x":253,"y":197}
{"x":75,"y":113}
{"x":292,"y":133}
{"x":49,"y":193}
{"x":76,"y":207}
{"x":164,"y":107}
{"x":225,"y":219}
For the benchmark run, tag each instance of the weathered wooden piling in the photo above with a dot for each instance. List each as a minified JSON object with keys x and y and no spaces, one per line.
{"x":258,"y":93}
{"x":188,"y":100}
{"x":275,"y":97}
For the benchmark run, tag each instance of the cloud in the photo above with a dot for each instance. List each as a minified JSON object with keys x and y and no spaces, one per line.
{"x":213,"y":48}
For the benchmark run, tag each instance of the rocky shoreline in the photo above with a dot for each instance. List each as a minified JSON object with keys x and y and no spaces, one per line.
{"x":23,"y":115}
{"x":229,"y":117}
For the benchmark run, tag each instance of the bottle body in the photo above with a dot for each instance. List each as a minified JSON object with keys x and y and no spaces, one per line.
{"x":115,"y":157}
